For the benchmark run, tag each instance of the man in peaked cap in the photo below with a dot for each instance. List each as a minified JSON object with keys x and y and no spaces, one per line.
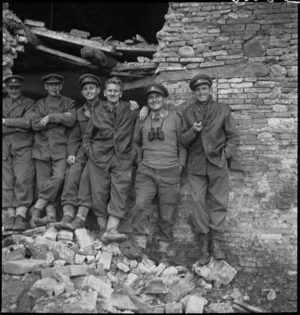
{"x":160,"y":161}
{"x":17,"y":164}
{"x":108,"y":144}
{"x":77,"y":191}
{"x":210,"y":135}
{"x":54,"y":116}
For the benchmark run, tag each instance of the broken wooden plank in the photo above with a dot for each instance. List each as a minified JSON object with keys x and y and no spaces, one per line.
{"x":127,"y":74}
{"x":249,"y":307}
{"x":63,"y":55}
{"x":135,"y":66}
{"x":139,"y":83}
{"x":136,"y":49}
{"x":79,"y":33}
{"x":34,"y":23}
{"x":75,"y":40}
{"x":96,"y":56}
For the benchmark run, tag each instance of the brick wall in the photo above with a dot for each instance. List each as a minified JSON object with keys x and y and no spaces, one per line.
{"x":251,"y":51}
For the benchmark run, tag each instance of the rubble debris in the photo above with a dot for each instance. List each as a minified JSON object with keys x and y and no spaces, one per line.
{"x":249,"y":307}
{"x":107,"y":279}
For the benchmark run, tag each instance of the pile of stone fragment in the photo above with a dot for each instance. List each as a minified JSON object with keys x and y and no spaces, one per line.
{"x":79,"y":274}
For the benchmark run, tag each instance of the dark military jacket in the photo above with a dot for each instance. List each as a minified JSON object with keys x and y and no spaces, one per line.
{"x":109,"y":132}
{"x":217,"y":141}
{"x":75,"y":147}
{"x":50,"y":142}
{"x":17,"y":132}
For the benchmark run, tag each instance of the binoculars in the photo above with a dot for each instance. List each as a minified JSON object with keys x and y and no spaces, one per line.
{"x":156,"y":134}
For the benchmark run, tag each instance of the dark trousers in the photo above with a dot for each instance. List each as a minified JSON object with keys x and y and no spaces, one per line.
{"x":110,"y":189}
{"x":164,"y":183}
{"x":18,"y":175}
{"x":210,"y":195}
{"x":73,"y":178}
{"x":50,"y":177}
{"x":85,"y":191}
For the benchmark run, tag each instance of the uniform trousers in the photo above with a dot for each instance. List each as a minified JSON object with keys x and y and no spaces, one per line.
{"x":18,"y":176}
{"x":50,"y":177}
{"x":110,"y":188}
{"x":77,"y":189}
{"x":210,"y":195}
{"x":164,"y":183}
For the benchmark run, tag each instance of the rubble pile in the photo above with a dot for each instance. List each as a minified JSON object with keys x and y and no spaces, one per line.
{"x":13,"y":39}
{"x":78,"y":273}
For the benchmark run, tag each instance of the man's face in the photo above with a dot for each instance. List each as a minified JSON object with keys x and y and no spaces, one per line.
{"x":155,"y":101}
{"x":53,"y":88}
{"x":202,"y":92}
{"x":113,"y":93}
{"x":14,"y":91}
{"x":90,"y":91}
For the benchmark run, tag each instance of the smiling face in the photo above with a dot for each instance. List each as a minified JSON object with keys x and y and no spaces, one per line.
{"x":90,"y":91}
{"x":155,"y":101}
{"x":113,"y":93}
{"x":14,"y":91}
{"x":53,"y":88}
{"x":202,"y":92}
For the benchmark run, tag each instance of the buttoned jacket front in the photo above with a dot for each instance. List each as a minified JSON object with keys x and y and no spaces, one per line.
{"x":110,"y":133}
{"x":50,"y":141}
{"x":17,"y":132}
{"x":217,"y":141}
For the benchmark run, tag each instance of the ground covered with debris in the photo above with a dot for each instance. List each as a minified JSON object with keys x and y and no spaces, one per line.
{"x":49,"y":271}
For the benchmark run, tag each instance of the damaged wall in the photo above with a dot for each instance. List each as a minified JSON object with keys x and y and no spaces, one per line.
{"x":251,"y":51}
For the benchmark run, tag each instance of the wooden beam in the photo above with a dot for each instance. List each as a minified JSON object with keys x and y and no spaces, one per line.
{"x":139,"y":83}
{"x":136,"y":49}
{"x":135,"y":66}
{"x":75,"y":40}
{"x":63,"y":55}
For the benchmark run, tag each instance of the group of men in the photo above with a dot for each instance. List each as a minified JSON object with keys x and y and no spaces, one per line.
{"x":89,"y":153}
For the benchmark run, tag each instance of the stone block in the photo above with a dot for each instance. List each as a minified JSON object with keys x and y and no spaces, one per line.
{"x":65,"y":236}
{"x":78,"y":270}
{"x":15,"y":254}
{"x":51,"y":234}
{"x":159,"y":269}
{"x":84,"y":238}
{"x":63,"y":252}
{"x":220,"y":308}
{"x":38,"y":230}
{"x":156,"y":286}
{"x":223,"y":270}
{"x":87,"y":303}
{"x":79,"y":259}
{"x":48,"y":285}
{"x":195,"y":305}
{"x":122,"y":302}
{"x":100,"y":285}
{"x":112,"y":248}
{"x":60,"y":277}
{"x":170,"y":271}
{"x":42,"y":240}
{"x":22,"y":266}
{"x":105,"y":260}
{"x":50,"y":272}
{"x":174,"y":308}
{"x":178,"y":289}
{"x":122,"y":266}
{"x":130,"y":279}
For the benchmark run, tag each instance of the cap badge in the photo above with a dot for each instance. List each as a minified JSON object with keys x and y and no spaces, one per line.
{"x":13,"y":80}
{"x":152,"y":88}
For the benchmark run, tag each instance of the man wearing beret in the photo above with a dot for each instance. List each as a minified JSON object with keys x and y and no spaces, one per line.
{"x":211,"y":138}
{"x":54,"y":116}
{"x":160,"y":161}
{"x":108,"y":144}
{"x":17,"y":165}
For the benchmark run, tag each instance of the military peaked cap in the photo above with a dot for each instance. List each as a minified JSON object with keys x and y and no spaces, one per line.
{"x":89,"y":78}
{"x":13,"y":80}
{"x":200,"y":79}
{"x":53,"y":78}
{"x":158,"y":88}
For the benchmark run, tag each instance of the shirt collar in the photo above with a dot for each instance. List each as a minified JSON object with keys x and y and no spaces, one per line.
{"x":161,"y":114}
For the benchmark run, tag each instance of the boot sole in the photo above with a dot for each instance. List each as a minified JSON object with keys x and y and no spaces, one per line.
{"x":114,"y":239}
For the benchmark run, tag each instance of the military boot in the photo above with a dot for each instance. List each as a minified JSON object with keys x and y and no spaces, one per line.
{"x":9,"y":224}
{"x":111,"y":234}
{"x":204,"y":246}
{"x":77,"y":223}
{"x":35,"y":214}
{"x":216,"y":249}
{"x":20,"y":224}
{"x":66,"y":219}
{"x":49,"y":218}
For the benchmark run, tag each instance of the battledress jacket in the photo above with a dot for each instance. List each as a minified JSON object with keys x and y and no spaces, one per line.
{"x":110,"y":133}
{"x":217,"y":141}
{"x":17,"y":131}
{"x":50,"y":142}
